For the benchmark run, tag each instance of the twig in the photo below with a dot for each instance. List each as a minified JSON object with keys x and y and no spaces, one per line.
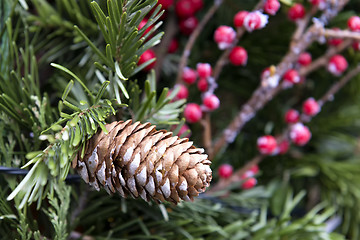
{"x":330,"y":33}
{"x":301,"y":26}
{"x":329,"y":95}
{"x":171,"y":30}
{"x":194,"y":35}
{"x":206,"y":124}
{"x":323,"y":60}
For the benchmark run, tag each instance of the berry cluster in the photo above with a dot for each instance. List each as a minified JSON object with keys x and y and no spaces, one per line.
{"x":210,"y":102}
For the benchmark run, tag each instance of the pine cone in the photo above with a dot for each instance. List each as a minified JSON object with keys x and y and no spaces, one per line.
{"x":137,"y":160}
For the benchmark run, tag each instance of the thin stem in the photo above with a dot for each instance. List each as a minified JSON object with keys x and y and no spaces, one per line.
{"x":192,"y":39}
{"x":171,"y":30}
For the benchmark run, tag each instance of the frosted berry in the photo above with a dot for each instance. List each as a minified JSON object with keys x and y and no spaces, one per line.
{"x":311,"y":107}
{"x":271,"y":6}
{"x":189,"y":75}
{"x":192,"y":113}
{"x":239,"y":18}
{"x":266,"y":144}
{"x":300,"y":134}
{"x":249,"y":183}
{"x":202,"y":85}
{"x":197,"y":4}
{"x":255,"y":20}
{"x":184,"y":8}
{"x":211,"y":102}
{"x":238,"y":56}
{"x":356,"y":45}
{"x":224,"y":36}
{"x":296,"y":12}
{"x":335,"y":41}
{"x":188,"y":25}
{"x":174,"y":45}
{"x":304,"y":59}
{"x":146,"y":56}
{"x":165,"y":4}
{"x":225,"y":170}
{"x":204,"y":70}
{"x":183,"y":92}
{"x":283,"y":147}
{"x":354,"y":23}
{"x":337,"y":65}
{"x":291,"y":76}
{"x":292,"y":116}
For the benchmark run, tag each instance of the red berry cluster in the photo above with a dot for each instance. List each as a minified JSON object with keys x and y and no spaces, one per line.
{"x":186,"y":10}
{"x":210,"y":102}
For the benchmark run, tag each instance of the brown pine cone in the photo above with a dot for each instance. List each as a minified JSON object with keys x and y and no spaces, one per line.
{"x":135,"y":159}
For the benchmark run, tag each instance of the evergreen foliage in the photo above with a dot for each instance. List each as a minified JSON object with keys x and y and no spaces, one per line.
{"x":67,"y":67}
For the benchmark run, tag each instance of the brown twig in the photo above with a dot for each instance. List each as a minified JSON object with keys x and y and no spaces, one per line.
{"x":329,"y":95}
{"x":346,"y":34}
{"x":194,"y":35}
{"x":161,"y":51}
{"x":323,"y":60}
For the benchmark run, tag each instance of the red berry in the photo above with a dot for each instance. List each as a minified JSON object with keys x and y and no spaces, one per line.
{"x":311,"y":107}
{"x":291,"y":76}
{"x":165,"y":4}
{"x":142,"y":24}
{"x":174,"y":45}
{"x":354,"y":23}
{"x":266,"y":144}
{"x":254,"y":169}
{"x":192,"y":113}
{"x":225,"y":170}
{"x":197,"y":4}
{"x":188,"y":25}
{"x":211,"y":102}
{"x":297,"y":11}
{"x":356,"y":45}
{"x":292,"y":116}
{"x":146,"y":56}
{"x":184,"y":8}
{"x":304,"y":59}
{"x":337,"y":65}
{"x":300,"y":134}
{"x":189,"y":75}
{"x":255,"y":20}
{"x":335,"y":41}
{"x":283,"y":147}
{"x":202,"y":85}
{"x":183,"y":92}
{"x":249,"y":183}
{"x":238,"y":56}
{"x":239,"y":18}
{"x":224,"y":36}
{"x":271,"y":6}
{"x":204,"y":70}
